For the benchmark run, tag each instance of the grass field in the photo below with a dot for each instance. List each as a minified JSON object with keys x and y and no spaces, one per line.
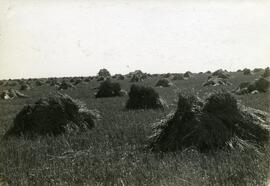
{"x":113,"y":152}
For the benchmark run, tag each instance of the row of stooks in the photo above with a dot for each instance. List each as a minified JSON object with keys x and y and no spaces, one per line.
{"x":216,"y":78}
{"x":217,"y":122}
{"x":110,"y":89}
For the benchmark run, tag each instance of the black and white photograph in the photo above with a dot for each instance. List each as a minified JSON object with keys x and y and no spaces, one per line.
{"x":134,"y":93}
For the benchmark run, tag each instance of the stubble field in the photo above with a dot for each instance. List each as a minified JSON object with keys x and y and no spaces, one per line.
{"x":113,"y":153}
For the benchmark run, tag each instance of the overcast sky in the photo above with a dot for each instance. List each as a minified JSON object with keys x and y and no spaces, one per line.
{"x":78,"y":37}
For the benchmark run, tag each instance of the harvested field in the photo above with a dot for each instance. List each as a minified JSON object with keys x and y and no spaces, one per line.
{"x":120,"y":139}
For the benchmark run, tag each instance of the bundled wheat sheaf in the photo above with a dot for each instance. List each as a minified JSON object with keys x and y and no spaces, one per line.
{"x":11,"y":94}
{"x":53,"y":115}
{"x":177,"y":77}
{"x":164,"y":82}
{"x":187,"y":74}
{"x":104,"y":73}
{"x":216,"y":81}
{"x":109,"y":89}
{"x":218,"y":122}
{"x":65,"y":85}
{"x":221,"y":74}
{"x":266,"y":72}
{"x":258,"y":85}
{"x":247,"y":71}
{"x":141,"y":97}
{"x":25,"y":86}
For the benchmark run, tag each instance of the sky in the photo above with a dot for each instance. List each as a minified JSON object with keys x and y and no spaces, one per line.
{"x":79,"y":37}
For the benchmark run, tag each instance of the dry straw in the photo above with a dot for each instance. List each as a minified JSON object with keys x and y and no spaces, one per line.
{"x":215,"y":123}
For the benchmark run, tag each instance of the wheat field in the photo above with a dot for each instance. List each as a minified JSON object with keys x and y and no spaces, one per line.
{"x":114,"y":153}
